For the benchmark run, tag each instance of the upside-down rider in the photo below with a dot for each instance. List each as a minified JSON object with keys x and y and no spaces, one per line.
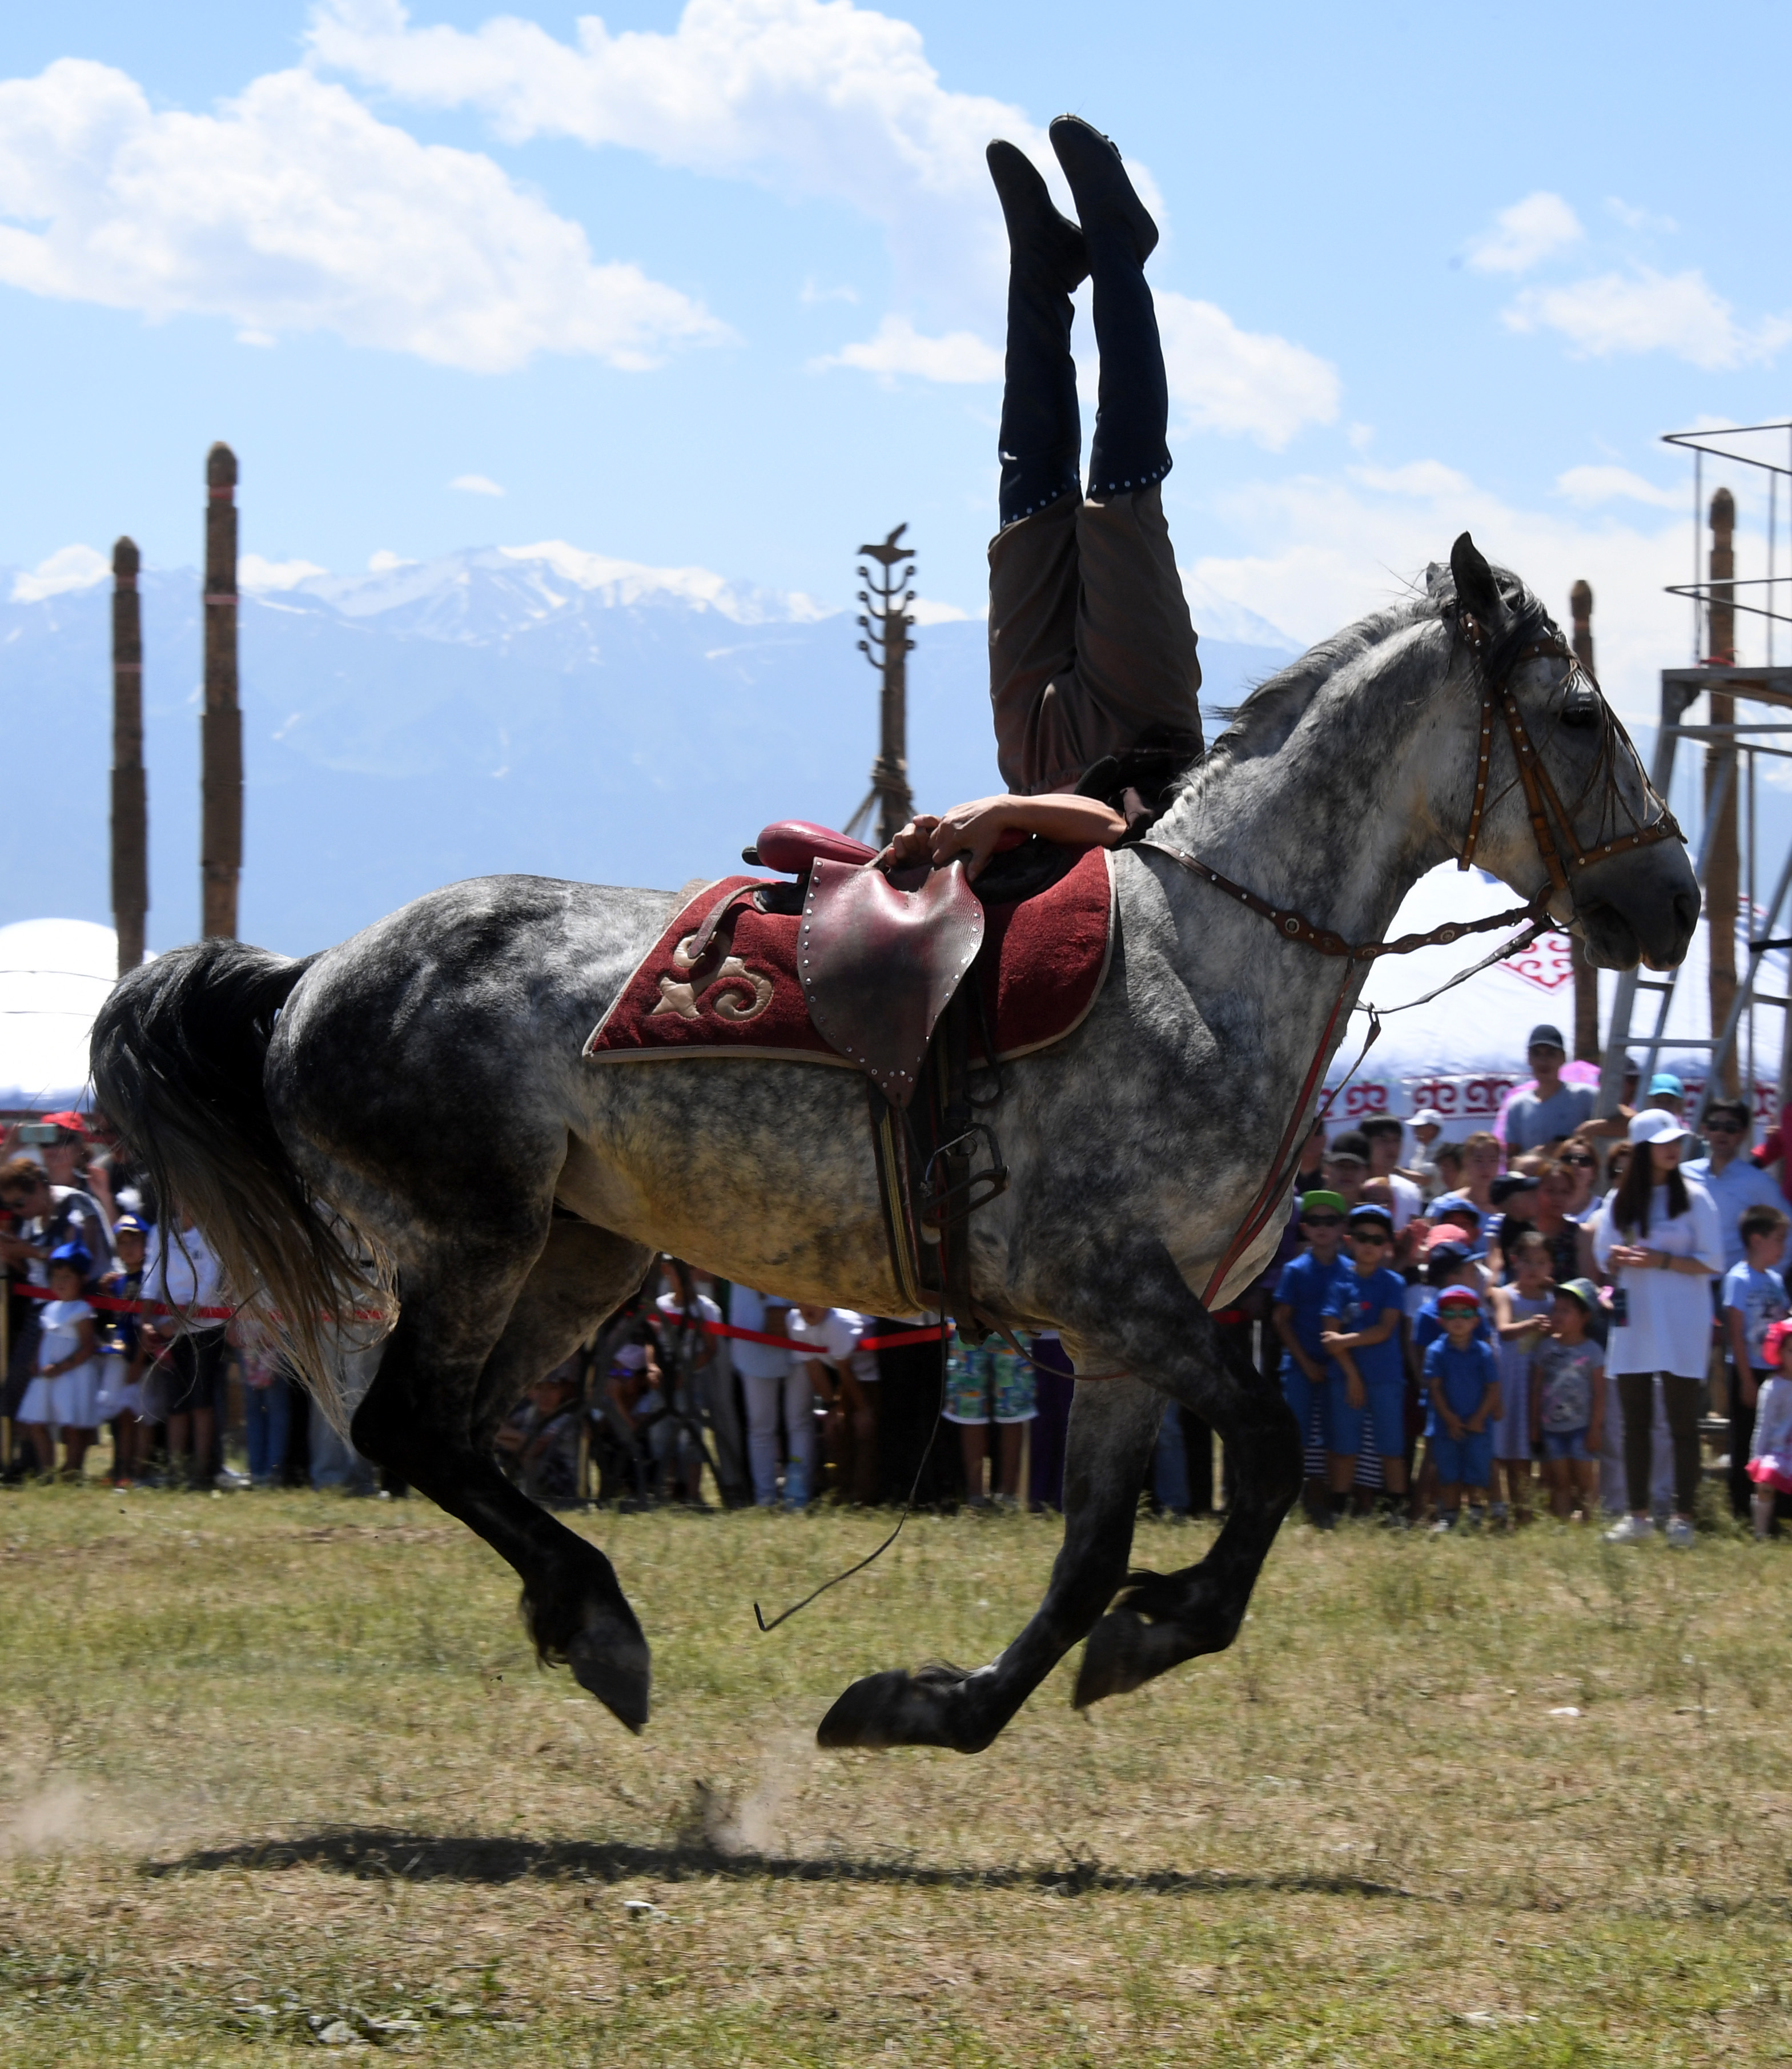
{"x":1093,"y":675}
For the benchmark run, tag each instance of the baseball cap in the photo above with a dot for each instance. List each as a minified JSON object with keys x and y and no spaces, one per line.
{"x":1427,"y":1117}
{"x":1336,"y":1202}
{"x":75,"y":1253}
{"x":75,"y":1123}
{"x":130,"y":1225}
{"x":1458,"y":1296}
{"x":1655,"y":1126}
{"x":1582,"y":1290}
{"x":1508,"y":1183}
{"x":1543,"y":1036}
{"x":1667,"y":1085}
{"x":1445,"y":1242}
{"x":1369,"y":1211}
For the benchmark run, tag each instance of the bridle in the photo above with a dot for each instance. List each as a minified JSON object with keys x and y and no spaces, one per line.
{"x":1581,"y":695}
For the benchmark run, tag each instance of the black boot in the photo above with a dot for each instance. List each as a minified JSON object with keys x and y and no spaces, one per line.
{"x":1130,"y":449}
{"x":1041,"y":439}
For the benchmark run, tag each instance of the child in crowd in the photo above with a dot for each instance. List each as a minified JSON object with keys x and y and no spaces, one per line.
{"x":984,"y":1383}
{"x":1520,"y":1314}
{"x":1771,"y":1457}
{"x":538,"y":1443}
{"x":1302,"y":1299}
{"x":64,"y":1393}
{"x":122,"y":1354}
{"x":1566,"y":1398}
{"x":826,"y":1340}
{"x":1754,"y":1300}
{"x":1462,"y":1376}
{"x":1360,"y":1332}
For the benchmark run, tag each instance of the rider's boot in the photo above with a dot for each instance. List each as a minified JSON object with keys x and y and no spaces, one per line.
{"x":1041,"y":438}
{"x":1130,"y":450}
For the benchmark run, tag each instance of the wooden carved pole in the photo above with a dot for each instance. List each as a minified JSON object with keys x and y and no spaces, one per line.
{"x":1721,"y":868}
{"x":130,"y":807}
{"x":1586,"y":977}
{"x":887,"y":646}
{"x":221,"y":726}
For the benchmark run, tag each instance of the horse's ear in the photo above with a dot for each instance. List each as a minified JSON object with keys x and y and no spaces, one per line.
{"x":1476,"y":590}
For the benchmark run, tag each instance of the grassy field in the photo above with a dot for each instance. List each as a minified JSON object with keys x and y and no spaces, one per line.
{"x":279,"y":1768}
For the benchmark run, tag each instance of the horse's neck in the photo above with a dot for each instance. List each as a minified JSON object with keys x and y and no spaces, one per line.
{"x":1331,"y":822}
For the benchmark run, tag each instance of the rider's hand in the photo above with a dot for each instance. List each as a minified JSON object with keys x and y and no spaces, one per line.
{"x":914,"y":844}
{"x":969,"y":833}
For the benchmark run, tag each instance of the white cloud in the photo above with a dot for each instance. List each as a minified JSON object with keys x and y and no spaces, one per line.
{"x":1527,"y":232}
{"x":293,"y":208}
{"x":898,"y":348}
{"x":1250,"y":382}
{"x":924,"y":610}
{"x":1649,"y":312}
{"x":254,"y":573}
{"x":810,"y":97}
{"x":383,"y":561}
{"x":1640,"y":218}
{"x":70,"y":567}
{"x":1322,"y":550}
{"x":1588,"y":485}
{"x":476,"y":484}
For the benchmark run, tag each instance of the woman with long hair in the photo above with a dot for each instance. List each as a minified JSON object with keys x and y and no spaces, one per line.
{"x":1657,"y":1238}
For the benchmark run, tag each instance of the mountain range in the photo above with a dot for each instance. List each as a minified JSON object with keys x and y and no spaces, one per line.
{"x":540,"y":709}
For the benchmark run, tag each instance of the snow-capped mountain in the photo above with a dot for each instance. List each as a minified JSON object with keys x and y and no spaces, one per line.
{"x":537,"y":708}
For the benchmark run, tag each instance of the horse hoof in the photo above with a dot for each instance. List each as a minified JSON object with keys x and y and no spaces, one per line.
{"x":613,"y":1663}
{"x":896,"y":1709}
{"x":1114,"y":1660}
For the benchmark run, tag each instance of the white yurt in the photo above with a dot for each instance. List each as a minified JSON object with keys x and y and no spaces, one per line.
{"x":1464,"y":1054}
{"x":54,"y":976}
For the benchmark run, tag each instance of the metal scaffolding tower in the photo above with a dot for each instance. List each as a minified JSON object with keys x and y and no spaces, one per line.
{"x":1734,"y":741}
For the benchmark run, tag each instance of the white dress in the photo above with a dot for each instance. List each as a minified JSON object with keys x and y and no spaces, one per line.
{"x":1668,"y":1328}
{"x":69,"y":1401}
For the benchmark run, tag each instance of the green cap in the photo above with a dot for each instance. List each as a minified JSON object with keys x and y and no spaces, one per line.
{"x":1335,"y":1201}
{"x":1584,"y":1290}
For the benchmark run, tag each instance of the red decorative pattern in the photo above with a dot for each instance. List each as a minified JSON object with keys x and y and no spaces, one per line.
{"x":1042,"y":965}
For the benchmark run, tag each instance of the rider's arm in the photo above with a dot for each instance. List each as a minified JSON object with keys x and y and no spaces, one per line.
{"x":974,"y":829}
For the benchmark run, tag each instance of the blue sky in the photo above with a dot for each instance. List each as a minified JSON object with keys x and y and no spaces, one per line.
{"x":722,"y":285}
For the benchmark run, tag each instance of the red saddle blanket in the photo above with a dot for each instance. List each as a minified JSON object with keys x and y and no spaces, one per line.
{"x":1043,"y":961}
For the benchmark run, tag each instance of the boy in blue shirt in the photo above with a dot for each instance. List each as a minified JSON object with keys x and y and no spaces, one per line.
{"x":1754,"y":1300}
{"x":1362,"y":1336}
{"x":1462,"y":1377}
{"x":1302,"y":1299}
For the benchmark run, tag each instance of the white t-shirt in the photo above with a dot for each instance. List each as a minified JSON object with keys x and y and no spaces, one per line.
{"x":835,"y":1339}
{"x":1669,"y":1329}
{"x":180,"y":1270}
{"x":748,"y":1310}
{"x":1409,"y":1202}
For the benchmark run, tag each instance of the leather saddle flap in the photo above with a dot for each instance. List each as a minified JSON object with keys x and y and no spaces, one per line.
{"x":879,"y":965}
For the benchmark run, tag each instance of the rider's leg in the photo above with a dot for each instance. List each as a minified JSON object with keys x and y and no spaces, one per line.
{"x":1136,"y":669}
{"x":1032,"y":575}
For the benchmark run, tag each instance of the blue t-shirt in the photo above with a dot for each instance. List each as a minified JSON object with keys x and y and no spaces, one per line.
{"x":1761,"y":1297}
{"x":1463,"y":1376}
{"x":1305,"y":1286}
{"x":1359,"y":1304}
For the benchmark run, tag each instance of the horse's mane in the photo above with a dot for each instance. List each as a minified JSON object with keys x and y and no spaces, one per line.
{"x":1276,"y":705}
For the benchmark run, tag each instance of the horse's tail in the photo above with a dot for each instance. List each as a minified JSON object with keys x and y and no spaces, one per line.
{"x":178,"y":1053}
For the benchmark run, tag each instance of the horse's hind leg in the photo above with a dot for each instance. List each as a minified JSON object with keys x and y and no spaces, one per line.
{"x":443,"y":1387}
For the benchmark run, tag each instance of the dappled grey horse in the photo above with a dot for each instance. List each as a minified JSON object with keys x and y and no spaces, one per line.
{"x":418,"y":1096}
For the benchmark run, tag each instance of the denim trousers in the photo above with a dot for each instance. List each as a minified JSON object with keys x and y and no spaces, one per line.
{"x":265,"y":1413}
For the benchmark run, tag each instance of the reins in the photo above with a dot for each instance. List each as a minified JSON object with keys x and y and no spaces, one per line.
{"x":1542,"y":801}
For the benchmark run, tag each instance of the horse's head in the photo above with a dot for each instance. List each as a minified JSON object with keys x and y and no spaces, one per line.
{"x":1555,"y":800}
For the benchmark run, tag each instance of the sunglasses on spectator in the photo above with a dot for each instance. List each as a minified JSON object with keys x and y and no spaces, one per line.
{"x":1324,"y":1221}
{"x":1583,"y":1163}
{"x":1371,"y":1235}
{"x":1723,"y":1127}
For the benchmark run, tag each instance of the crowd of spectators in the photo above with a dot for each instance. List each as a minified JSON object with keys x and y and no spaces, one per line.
{"x":1466,"y":1331}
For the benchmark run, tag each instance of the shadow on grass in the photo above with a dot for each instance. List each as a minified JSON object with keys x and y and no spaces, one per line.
{"x":372,"y":1855}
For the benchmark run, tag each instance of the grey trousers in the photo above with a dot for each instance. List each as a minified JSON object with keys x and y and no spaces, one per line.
{"x":1091,"y":643}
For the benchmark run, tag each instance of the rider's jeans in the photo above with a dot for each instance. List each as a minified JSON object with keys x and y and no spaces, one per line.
{"x":794,"y":1393}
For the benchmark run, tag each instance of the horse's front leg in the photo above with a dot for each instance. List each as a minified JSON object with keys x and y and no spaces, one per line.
{"x":1132,"y":1306}
{"x":1113,"y":1424}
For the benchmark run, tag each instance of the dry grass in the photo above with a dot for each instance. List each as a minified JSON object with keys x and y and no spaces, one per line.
{"x":291,"y":1752}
